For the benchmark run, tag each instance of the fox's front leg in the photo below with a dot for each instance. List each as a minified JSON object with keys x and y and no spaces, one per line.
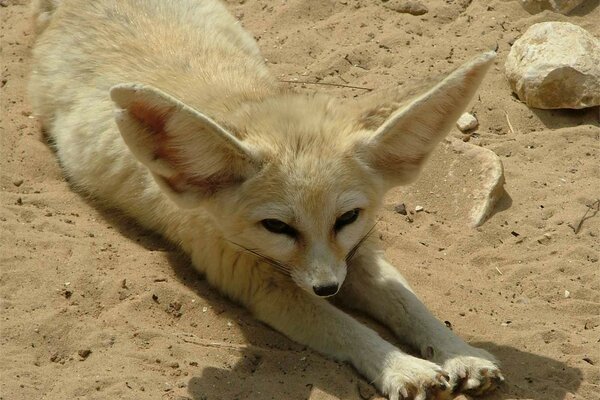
{"x":316,"y":323}
{"x":377,"y":288}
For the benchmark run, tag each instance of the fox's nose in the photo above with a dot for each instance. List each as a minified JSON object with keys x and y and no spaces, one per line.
{"x":326,"y":290}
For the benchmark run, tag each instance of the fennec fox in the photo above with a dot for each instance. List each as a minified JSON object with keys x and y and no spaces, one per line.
{"x":166,"y":110}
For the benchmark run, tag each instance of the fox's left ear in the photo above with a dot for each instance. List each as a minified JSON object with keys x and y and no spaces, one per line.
{"x":399,"y":147}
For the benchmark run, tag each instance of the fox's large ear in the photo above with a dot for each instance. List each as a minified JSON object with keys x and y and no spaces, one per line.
{"x":190,"y":155}
{"x":399,"y":147}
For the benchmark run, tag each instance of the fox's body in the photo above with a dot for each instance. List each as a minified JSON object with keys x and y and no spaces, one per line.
{"x":271,"y":193}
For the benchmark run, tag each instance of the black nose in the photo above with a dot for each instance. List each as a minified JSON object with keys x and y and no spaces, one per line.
{"x":326,"y":290}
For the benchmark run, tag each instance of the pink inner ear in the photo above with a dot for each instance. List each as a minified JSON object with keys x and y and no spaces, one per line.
{"x":153,"y":118}
{"x":155,"y":121}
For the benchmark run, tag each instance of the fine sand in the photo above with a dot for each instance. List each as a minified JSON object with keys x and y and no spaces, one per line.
{"x":93,"y":307}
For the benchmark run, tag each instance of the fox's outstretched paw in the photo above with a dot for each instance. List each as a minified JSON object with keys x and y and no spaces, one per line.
{"x":474,"y":372}
{"x":409,"y":378}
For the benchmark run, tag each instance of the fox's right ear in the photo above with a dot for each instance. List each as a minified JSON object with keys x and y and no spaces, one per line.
{"x":400,"y":145}
{"x":190,"y":156}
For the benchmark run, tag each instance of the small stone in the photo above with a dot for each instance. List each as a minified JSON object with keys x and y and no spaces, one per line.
{"x":365,"y":390}
{"x":419,"y":208}
{"x":567,"y":294}
{"x":18,"y":182}
{"x":589,"y":325}
{"x":555,"y":65}
{"x":84,"y":353}
{"x":412,"y":7}
{"x":559,"y":6}
{"x":467,"y":122}
{"x":400,"y":208}
{"x":175,"y":309}
{"x":174,"y":364}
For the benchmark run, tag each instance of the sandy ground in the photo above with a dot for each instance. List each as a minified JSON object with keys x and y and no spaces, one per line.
{"x":93,"y":307}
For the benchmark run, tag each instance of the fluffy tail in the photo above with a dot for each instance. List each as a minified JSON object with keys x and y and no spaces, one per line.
{"x":41,"y":13}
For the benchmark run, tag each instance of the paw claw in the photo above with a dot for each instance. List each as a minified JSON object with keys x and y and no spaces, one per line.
{"x":404,"y":392}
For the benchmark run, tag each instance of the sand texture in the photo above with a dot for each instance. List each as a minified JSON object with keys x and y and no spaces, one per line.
{"x":93,"y":307}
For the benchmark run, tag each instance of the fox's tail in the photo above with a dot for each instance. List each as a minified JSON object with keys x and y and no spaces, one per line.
{"x":41,"y":13}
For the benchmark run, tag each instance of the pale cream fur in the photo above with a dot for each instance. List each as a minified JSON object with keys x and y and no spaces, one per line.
{"x":166,"y":111}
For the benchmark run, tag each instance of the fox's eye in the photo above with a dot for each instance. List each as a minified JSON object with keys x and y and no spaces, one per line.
{"x":279,"y":227}
{"x":346,"y":219}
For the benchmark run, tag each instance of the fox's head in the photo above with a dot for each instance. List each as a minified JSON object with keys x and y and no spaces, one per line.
{"x":296,"y":180}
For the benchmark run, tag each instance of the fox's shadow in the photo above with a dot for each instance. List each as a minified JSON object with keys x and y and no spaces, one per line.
{"x":270,"y":366}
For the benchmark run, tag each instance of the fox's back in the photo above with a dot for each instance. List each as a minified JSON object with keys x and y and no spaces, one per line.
{"x":194,"y":50}
{"x":181,"y":47}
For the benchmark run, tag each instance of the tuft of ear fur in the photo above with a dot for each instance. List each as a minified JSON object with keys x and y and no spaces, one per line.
{"x":190,"y":156}
{"x":400,"y":146}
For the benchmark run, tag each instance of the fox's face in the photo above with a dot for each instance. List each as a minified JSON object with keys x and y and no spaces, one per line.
{"x":304,"y":212}
{"x":304,"y":223}
{"x":296,"y":180}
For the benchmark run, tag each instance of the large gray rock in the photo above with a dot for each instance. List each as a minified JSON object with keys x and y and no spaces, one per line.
{"x":559,"y":6}
{"x":555,"y":65}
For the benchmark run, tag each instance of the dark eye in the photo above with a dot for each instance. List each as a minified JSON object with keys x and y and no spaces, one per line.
{"x":346,"y":219}
{"x":279,"y":227}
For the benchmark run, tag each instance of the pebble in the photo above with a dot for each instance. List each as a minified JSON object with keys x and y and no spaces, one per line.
{"x":84,"y":353}
{"x":467,"y":122}
{"x":18,"y":182}
{"x":419,"y":208}
{"x":400,"y":208}
{"x":412,"y":7}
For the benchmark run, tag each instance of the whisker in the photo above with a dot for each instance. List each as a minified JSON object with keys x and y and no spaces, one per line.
{"x":354,"y":249}
{"x":277,"y":265}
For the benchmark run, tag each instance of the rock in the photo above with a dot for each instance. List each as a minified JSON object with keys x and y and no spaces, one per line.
{"x":84,"y":353}
{"x":467,"y":122}
{"x":559,"y":6}
{"x":412,"y":7}
{"x":555,"y":65}
{"x":461,"y":181}
{"x":400,"y":208}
